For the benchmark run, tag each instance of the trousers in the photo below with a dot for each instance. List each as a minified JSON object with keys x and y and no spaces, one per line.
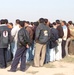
{"x":20,"y":54}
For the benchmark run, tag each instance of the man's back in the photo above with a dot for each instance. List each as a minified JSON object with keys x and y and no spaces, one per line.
{"x":14,"y":33}
{"x":42,"y":33}
{"x":60,"y":31}
{"x":4,"y":36}
{"x":23,"y":37}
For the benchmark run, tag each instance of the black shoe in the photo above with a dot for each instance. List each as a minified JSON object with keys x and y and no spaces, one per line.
{"x":11,"y":70}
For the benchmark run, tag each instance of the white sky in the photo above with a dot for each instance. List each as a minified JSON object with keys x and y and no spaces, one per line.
{"x":32,"y":10}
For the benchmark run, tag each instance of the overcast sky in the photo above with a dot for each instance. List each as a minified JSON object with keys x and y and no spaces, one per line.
{"x":32,"y":10}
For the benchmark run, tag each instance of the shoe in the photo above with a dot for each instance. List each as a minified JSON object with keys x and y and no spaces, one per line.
{"x":22,"y":70}
{"x":11,"y":70}
{"x":35,"y":66}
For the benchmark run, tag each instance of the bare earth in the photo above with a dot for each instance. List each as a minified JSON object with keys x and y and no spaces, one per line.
{"x":54,"y":68}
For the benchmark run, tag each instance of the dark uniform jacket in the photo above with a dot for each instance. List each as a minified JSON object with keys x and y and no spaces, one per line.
{"x":4,"y":36}
{"x":53,"y":40}
{"x":42,"y":34}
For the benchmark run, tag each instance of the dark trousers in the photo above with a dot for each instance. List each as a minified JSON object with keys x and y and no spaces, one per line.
{"x":3,"y":55}
{"x":63,"y":48}
{"x":20,"y":54}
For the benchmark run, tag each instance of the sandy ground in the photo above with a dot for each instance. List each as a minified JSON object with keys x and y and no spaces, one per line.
{"x":55,"y":68}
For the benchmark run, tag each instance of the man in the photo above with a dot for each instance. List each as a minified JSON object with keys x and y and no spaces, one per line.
{"x":14,"y":34}
{"x":65,"y":30}
{"x":42,"y":37}
{"x":70,"y":37}
{"x":4,"y":41}
{"x":60,"y":34}
{"x":53,"y":43}
{"x":22,"y":45}
{"x":30,"y":30}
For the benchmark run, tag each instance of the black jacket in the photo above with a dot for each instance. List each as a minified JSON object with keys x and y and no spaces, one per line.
{"x":54,"y":37}
{"x":60,"y":31}
{"x":4,"y":36}
{"x":23,"y":38}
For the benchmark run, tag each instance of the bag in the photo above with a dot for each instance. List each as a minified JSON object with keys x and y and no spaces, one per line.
{"x":44,"y":36}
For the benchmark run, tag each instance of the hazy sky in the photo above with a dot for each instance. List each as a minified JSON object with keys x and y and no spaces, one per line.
{"x":32,"y":10}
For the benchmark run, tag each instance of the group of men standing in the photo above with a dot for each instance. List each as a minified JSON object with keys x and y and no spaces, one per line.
{"x":51,"y":42}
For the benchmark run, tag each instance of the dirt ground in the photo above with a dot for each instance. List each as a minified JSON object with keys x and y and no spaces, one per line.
{"x":63,"y":67}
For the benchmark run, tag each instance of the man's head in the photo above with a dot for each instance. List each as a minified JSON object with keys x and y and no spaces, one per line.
{"x":21,"y":24}
{"x":63,"y":23}
{"x":36,"y":23}
{"x":2,"y":21}
{"x":54,"y":25}
{"x":41,"y":20}
{"x":47,"y":22}
{"x":6,"y":21}
{"x":17,"y":21}
{"x":70,"y":23}
{"x":57,"y":21}
{"x":10,"y":25}
{"x":27,"y":23}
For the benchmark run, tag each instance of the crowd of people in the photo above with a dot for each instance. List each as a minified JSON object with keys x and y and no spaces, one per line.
{"x":41,"y":42}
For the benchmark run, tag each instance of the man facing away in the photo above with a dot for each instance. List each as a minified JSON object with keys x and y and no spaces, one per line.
{"x":60,"y":34}
{"x":4,"y":41}
{"x":14,"y":34}
{"x":42,"y":36}
{"x":22,"y":45}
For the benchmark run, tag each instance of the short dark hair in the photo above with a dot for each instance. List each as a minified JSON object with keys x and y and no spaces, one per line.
{"x":41,"y":20}
{"x":27,"y":22}
{"x":6,"y":21}
{"x":64,"y":22}
{"x":46,"y":21}
{"x":21,"y":23}
{"x":36,"y":23}
{"x":58,"y":21}
{"x":50,"y":25}
{"x":32,"y":23}
{"x":11,"y":24}
{"x":70,"y":22}
{"x":18,"y":21}
{"x":54,"y":23}
{"x":2,"y":21}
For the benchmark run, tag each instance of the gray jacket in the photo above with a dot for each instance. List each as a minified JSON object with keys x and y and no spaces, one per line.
{"x":43,"y":34}
{"x":4,"y":36}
